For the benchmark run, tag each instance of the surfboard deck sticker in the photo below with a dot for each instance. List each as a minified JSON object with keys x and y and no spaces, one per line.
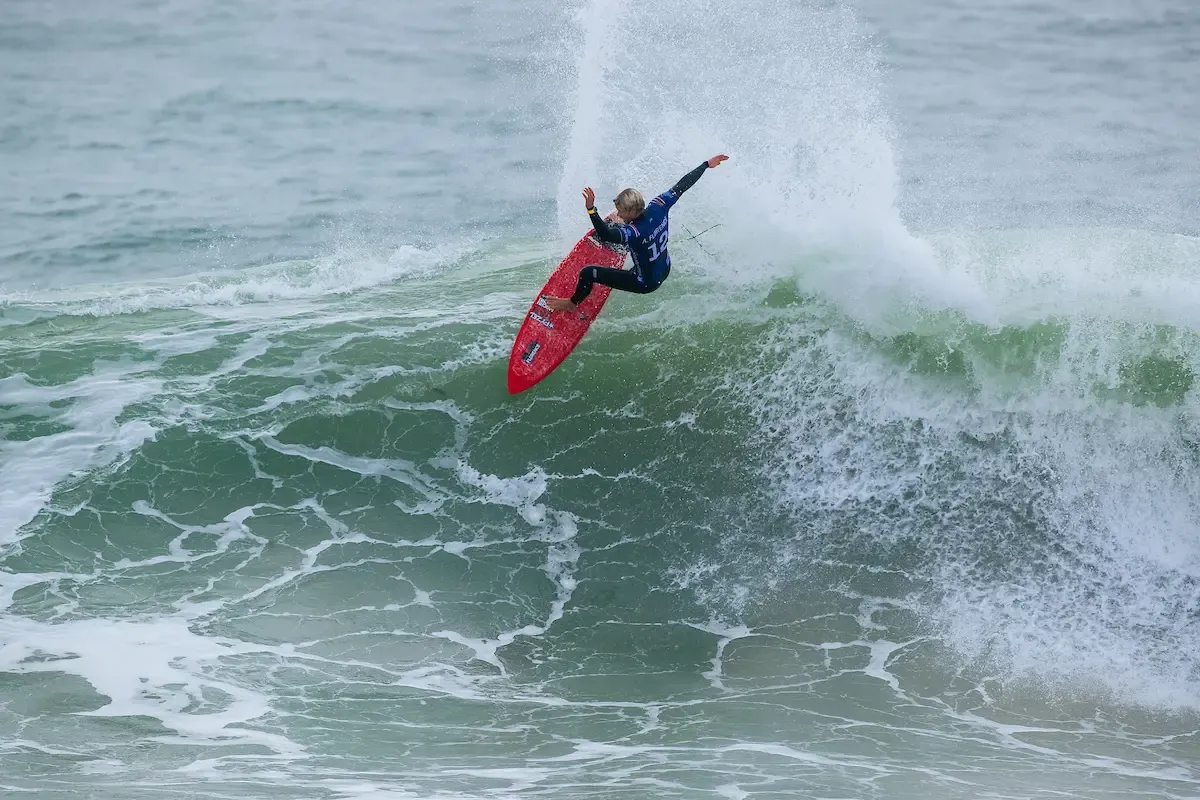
{"x":547,"y":337}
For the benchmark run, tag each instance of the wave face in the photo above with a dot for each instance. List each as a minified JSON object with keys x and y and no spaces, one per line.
{"x":843,"y":510}
{"x":312,"y":533}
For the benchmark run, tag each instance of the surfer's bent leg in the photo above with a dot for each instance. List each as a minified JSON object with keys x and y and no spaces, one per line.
{"x":623,"y":279}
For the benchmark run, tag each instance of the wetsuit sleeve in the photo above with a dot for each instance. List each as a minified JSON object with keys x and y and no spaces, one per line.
{"x":669,"y":197}
{"x":609,"y":231}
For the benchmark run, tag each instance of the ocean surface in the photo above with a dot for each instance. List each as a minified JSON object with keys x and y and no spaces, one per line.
{"x":892,"y":491}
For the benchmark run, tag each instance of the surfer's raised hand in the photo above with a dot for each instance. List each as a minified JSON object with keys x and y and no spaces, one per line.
{"x":589,"y":198}
{"x":716,"y":160}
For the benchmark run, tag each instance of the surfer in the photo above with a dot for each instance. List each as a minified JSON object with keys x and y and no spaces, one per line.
{"x":640,"y":226}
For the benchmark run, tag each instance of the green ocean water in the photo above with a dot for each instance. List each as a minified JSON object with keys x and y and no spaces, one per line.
{"x":319,"y":550}
{"x":852,"y":507}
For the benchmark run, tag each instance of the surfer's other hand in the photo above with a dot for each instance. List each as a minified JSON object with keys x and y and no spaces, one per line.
{"x":559,"y":303}
{"x":715,"y":160}
{"x":589,"y":198}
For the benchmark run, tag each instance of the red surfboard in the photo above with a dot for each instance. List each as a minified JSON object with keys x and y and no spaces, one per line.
{"x":547,"y":337}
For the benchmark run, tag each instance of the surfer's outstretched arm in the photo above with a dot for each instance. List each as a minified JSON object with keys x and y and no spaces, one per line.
{"x":689,"y":180}
{"x":669,"y":197}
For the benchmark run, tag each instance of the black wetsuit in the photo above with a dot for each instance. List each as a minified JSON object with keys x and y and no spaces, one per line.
{"x":646,"y":237}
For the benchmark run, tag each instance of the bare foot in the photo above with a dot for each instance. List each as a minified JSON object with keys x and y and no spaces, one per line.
{"x":560,"y":304}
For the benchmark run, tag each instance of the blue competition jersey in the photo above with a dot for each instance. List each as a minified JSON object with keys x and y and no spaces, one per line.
{"x":647,"y":239}
{"x":646,"y":236}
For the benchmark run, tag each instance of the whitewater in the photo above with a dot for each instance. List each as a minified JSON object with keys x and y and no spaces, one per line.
{"x":889,"y":492}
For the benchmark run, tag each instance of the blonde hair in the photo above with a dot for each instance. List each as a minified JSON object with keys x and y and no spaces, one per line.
{"x":631,"y":203}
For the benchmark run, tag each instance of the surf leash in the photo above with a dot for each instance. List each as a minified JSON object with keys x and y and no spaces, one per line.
{"x":698,"y":235}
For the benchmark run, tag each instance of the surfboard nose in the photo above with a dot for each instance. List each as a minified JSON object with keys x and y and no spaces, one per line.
{"x":518,"y":383}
